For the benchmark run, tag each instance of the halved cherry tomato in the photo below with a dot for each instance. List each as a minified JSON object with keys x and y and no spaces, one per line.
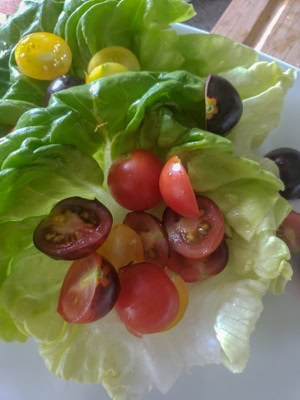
{"x":75,"y":228}
{"x":289,"y":231}
{"x":176,"y":188}
{"x":43,"y":56}
{"x":148,"y":300}
{"x":104,"y":70}
{"x":183,"y":294}
{"x":153,"y":236}
{"x":90,"y":290}
{"x":195,"y":237}
{"x":133,"y":180}
{"x":114,"y":54}
{"x":122,"y":247}
{"x":195,"y":270}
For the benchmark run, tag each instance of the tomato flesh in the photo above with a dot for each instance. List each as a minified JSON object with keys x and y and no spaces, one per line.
{"x":148,"y":300}
{"x":43,"y":56}
{"x":152,"y":234}
{"x":196,"y":270}
{"x":75,"y":228}
{"x":90,"y":290}
{"x":122,"y":247}
{"x":133,"y":180}
{"x":176,"y":189}
{"x":195,"y":237}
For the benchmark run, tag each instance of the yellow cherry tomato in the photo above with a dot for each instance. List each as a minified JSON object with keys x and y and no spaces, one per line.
{"x":114,"y":54}
{"x":105,"y":70}
{"x":183,"y":294}
{"x":123,"y":246}
{"x":43,"y":56}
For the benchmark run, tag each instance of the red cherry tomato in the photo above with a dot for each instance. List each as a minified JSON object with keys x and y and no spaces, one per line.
{"x":153,"y":236}
{"x":149,"y":300}
{"x":289,"y":231}
{"x":195,"y":237}
{"x":133,"y":180}
{"x":75,"y":228}
{"x":90,"y":290}
{"x":176,"y":188}
{"x":195,"y":270}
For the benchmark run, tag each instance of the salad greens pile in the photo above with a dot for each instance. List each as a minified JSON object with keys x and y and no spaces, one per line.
{"x":67,"y":148}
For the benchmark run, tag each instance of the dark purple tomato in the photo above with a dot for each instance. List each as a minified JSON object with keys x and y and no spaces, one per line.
{"x":90,"y":290}
{"x":74,"y":228}
{"x":195,"y":237}
{"x":153,"y":235}
{"x":288,"y":163}
{"x":195,"y":270}
{"x":62,"y":83}
{"x":224,"y":106}
{"x":289,"y":231}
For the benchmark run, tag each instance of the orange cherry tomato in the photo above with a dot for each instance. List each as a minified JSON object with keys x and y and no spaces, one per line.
{"x":122,"y":247}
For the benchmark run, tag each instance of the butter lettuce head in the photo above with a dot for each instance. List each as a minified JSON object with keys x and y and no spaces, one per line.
{"x":67,"y":148}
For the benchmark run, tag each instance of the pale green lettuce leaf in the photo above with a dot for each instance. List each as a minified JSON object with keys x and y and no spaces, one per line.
{"x":9,"y":332}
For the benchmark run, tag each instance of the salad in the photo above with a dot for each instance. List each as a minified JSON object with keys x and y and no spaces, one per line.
{"x":63,"y":141}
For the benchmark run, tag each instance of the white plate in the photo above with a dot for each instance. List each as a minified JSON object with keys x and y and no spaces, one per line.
{"x":272,"y":372}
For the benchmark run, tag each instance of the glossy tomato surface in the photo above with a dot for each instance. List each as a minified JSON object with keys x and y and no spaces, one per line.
{"x":133,"y":180}
{"x":122,"y":247}
{"x":75,"y":228}
{"x":152,"y":234}
{"x":195,"y":237}
{"x":149,"y":300}
{"x":176,"y":188}
{"x":43,"y":56}
{"x":196,"y":270}
{"x":114,"y":54}
{"x":90,"y":290}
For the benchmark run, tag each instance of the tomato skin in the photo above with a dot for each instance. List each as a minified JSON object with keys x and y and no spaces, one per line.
{"x":43,"y":56}
{"x":104,"y":70}
{"x":152,"y":234}
{"x":176,"y":189}
{"x":133,"y":180}
{"x":90,"y":290}
{"x":114,"y":54}
{"x":195,"y":237}
{"x":122,"y":247}
{"x":148,"y":300}
{"x":81,"y":225}
{"x":289,"y":232}
{"x":197,"y":270}
{"x":183,"y":294}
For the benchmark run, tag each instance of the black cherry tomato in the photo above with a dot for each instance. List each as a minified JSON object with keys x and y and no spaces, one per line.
{"x":74,"y":228}
{"x":153,"y":235}
{"x":196,"y":270}
{"x":90,"y":290}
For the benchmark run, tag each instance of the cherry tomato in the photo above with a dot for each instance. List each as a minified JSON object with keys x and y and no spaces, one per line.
{"x":195,"y":270}
{"x":90,"y":290}
{"x":148,"y":300}
{"x":153,"y":235}
{"x":289,"y":231}
{"x":114,"y":54}
{"x":122,"y":247}
{"x":43,"y":56}
{"x":75,"y":228}
{"x":61,"y":83}
{"x":195,"y":237}
{"x":133,"y":180}
{"x":105,"y":70}
{"x":183,"y":294}
{"x":176,"y":189}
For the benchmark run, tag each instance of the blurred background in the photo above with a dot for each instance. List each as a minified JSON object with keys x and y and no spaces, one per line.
{"x":208,"y":13}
